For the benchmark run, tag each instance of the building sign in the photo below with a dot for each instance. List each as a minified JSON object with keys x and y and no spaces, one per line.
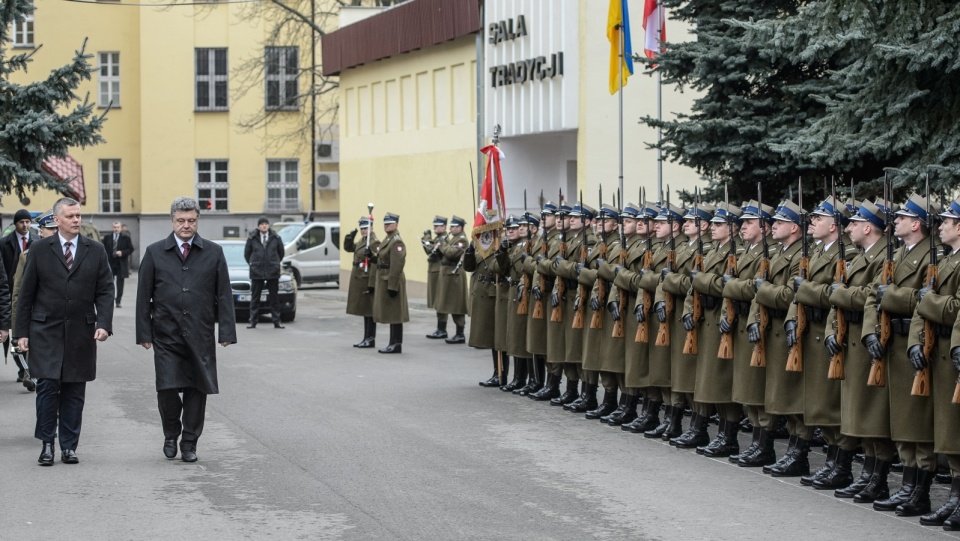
{"x":521,"y":71}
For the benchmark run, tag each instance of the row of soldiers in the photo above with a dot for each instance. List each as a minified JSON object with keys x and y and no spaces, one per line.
{"x":446,"y":283}
{"x":733,"y":310}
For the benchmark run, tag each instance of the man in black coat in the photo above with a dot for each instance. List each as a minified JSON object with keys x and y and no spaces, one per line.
{"x":11,"y":246}
{"x":119,"y":247}
{"x":264,"y":252}
{"x":65,"y":307}
{"x":183,"y":294}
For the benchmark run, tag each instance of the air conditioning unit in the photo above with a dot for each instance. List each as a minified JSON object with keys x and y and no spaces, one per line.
{"x":328,"y":181}
{"x":328,"y":151}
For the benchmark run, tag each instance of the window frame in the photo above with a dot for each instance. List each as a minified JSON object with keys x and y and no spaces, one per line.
{"x":214,"y":184}
{"x":282,"y":78}
{"x":25,"y":29}
{"x":283,"y":203}
{"x":112,"y":97}
{"x":113,"y":204}
{"x":211,"y":79}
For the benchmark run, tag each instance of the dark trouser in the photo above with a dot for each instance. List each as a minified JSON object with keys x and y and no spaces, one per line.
{"x":63,"y":400}
{"x":193,"y":407}
{"x":256,"y":288}
{"x":118,"y":280}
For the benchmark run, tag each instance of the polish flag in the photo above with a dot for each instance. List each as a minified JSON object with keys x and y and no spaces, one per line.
{"x":654,"y":23}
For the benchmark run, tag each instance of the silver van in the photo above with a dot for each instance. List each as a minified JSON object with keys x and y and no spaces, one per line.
{"x":312,"y":250}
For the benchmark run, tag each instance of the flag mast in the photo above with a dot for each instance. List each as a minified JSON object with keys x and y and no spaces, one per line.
{"x":620,"y":94}
{"x":660,"y":24}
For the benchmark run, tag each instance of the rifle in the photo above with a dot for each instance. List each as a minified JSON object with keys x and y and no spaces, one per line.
{"x":877,"y":377}
{"x":523,"y":309}
{"x":836,"y":369}
{"x":473,"y":195}
{"x":643,"y":327}
{"x":622,"y":293}
{"x":366,"y":258}
{"x":690,"y":345}
{"x":582,"y":292}
{"x":556,"y":316}
{"x":596,"y":321}
{"x":663,"y":335}
{"x":759,"y":356}
{"x":729,"y":311}
{"x":538,"y":304}
{"x":795,"y":357}
{"x":921,"y":381}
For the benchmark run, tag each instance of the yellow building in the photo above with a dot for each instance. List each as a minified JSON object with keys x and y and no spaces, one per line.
{"x":410,"y":77}
{"x":177,"y":102}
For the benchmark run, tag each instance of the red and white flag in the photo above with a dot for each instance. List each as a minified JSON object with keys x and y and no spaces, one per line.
{"x":486,"y":223}
{"x":654,"y":27}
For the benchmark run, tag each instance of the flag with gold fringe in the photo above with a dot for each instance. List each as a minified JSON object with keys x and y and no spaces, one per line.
{"x":487,"y":223}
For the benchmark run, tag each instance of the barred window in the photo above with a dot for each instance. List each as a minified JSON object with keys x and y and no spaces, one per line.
{"x":282,"y":67}
{"x":23,"y":32}
{"x":109,"y":79}
{"x":211,"y":80}
{"x":283,"y":186}
{"x":213,"y":185}
{"x":109,"y":186}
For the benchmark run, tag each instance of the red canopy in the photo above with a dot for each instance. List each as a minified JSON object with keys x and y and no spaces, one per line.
{"x":69,"y":170}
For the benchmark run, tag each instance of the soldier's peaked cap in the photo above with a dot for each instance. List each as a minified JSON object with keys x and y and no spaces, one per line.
{"x":869,"y":212}
{"x":439,"y":220}
{"x":390,"y":218}
{"x":457,"y":221}
{"x":788,"y":211}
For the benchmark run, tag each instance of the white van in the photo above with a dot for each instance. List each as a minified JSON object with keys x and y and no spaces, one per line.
{"x":312,"y":250}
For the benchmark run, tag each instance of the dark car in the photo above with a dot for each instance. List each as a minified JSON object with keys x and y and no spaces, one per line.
{"x":240,"y":284}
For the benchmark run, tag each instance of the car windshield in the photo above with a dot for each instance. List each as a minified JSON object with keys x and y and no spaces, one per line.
{"x":234,"y":255}
{"x":288,"y":232}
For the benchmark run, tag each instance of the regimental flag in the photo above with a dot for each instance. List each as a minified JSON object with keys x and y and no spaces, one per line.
{"x":655,"y":28}
{"x":486,"y":224}
{"x":621,"y":54}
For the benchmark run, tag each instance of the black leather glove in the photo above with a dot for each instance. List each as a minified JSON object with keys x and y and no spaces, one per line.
{"x":872,"y":341}
{"x":955,"y":357}
{"x":367,"y":252}
{"x":835,"y":286}
{"x":536,"y":292}
{"x":917,"y":358}
{"x":725,"y":326}
{"x":369,"y":291}
{"x":594,"y":304}
{"x":504,"y":246}
{"x":393,"y":293}
{"x":354,"y":232}
{"x":753,"y":333}
{"x":880,"y":291}
{"x":539,"y":258}
{"x":617,"y":269}
{"x":614,"y":308}
{"x":688,"y":322}
{"x":832,"y":345}
{"x":576,"y":302}
{"x":726,"y":278}
{"x":791,"y":328}
{"x":520,"y":289}
{"x":643,"y":272}
{"x":664,"y":272}
{"x":661,"y":309}
{"x":557,"y":260}
{"x":797,"y":280}
{"x":554,"y":299}
{"x":641,"y":314}
{"x":757,"y":283}
{"x":579,"y":268}
{"x":471,"y":249}
{"x":923,"y":293}
{"x":694,"y":273}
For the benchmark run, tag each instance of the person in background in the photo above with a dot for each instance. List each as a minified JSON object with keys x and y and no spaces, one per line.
{"x":264,"y":252}
{"x":119,"y":247}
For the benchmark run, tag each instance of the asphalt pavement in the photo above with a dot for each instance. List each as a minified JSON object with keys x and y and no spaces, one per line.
{"x":311,"y":438}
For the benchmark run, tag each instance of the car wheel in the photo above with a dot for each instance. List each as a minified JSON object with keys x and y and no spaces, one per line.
{"x":296,"y":277}
{"x":287,"y":317}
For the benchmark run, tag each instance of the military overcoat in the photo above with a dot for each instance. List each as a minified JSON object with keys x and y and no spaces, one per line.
{"x":359,"y":302}
{"x":537,"y":327}
{"x":626,"y":283}
{"x":749,"y":382}
{"x":428,"y":241}
{"x":483,"y":299}
{"x":600,"y":350}
{"x":683,"y":366}
{"x":391,"y":256}
{"x":658,"y":356}
{"x":714,"y":376}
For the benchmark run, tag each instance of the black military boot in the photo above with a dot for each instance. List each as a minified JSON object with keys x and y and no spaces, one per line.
{"x":828,"y":465}
{"x":606,"y":407}
{"x":396,"y":339}
{"x":729,"y":445}
{"x":754,"y":441}
{"x":797,"y":463}
{"x":569,"y":395}
{"x":587,"y":400}
{"x":952,"y":523}
{"x":441,"y":331}
{"x":455,"y":339}
{"x":719,"y":440}
{"x":621,"y":407}
{"x":901,"y":496}
{"x":531,"y":385}
{"x":866,"y":473}
{"x":949,"y":507}
{"x":629,"y":413}
{"x":919,"y":502}
{"x":746,"y":425}
{"x":648,"y":421}
{"x":369,"y":333}
{"x":695,"y":436}
{"x":674,"y":424}
{"x":764,"y":455}
{"x":550,"y":390}
{"x":494,"y":380}
{"x":657,"y":431}
{"x":840,"y":476}
{"x":877,"y":488}
{"x":790,"y":445}
{"x":519,"y":376}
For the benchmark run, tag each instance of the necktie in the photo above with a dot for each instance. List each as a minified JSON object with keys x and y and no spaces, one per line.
{"x":24,"y":239}
{"x":68,"y":255}
{"x":263,"y":239}
{"x":186,"y":249}
{"x":114,"y":240}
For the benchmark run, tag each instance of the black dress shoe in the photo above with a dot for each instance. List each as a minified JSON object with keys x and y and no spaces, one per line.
{"x":437,"y":334}
{"x":69,"y":456}
{"x":30,"y":384}
{"x":46,"y":455}
{"x":188,"y":455}
{"x":366,"y":343}
{"x":278,"y":325}
{"x":251,"y":325}
{"x":170,"y":448}
{"x":118,"y":304}
{"x":456,"y":339}
{"x":391,"y":348}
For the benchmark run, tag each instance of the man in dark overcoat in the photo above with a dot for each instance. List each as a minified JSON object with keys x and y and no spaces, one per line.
{"x":65,"y":306}
{"x":184,"y":291}
{"x":264,"y":251}
{"x":11,"y":246}
{"x":119,"y":247}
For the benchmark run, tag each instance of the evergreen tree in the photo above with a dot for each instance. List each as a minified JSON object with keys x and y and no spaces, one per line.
{"x":36,"y":120}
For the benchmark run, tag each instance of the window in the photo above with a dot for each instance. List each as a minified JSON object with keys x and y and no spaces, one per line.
{"x":211,"y":79}
{"x":23,"y":32}
{"x":283,"y":185}
{"x":282,"y":67}
{"x":212,"y":184}
{"x":109,"y":80}
{"x":314,"y":237}
{"x":109,"y":185}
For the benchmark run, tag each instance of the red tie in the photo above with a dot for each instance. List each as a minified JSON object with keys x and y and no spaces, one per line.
{"x":186,"y":249}
{"x":68,"y":255}
{"x":24,"y":239}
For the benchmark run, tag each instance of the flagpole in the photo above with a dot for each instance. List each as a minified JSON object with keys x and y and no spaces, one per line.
{"x":620,"y":94}
{"x":659,"y":104}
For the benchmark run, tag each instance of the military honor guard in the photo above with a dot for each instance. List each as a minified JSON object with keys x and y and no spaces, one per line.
{"x":432,"y":242}
{"x":483,"y":309}
{"x":362,"y":242}
{"x":515,"y":339}
{"x":544,"y":335}
{"x":389,"y":284}
{"x":451,"y":294}
{"x":555,"y":298}
{"x":536,"y":321}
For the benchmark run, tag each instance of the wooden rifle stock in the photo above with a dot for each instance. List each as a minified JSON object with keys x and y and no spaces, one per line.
{"x":538,"y":304}
{"x":956,"y":392}
{"x":596,"y":321}
{"x":726,"y":339}
{"x":758,"y":358}
{"x":643,"y":327}
{"x":559,"y":287}
{"x":921,"y":381}
{"x":878,"y":374}
{"x":690,"y":344}
{"x":836,"y":369}
{"x":523,"y":308}
{"x":795,"y":357}
{"x":663,"y":335}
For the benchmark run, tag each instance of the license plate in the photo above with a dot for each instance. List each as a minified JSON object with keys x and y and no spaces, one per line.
{"x":246,"y":298}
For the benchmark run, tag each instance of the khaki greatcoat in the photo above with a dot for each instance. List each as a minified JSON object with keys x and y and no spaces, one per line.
{"x":626,"y":284}
{"x":683,"y":366}
{"x":359,"y":302}
{"x":483,"y":299}
{"x":749,"y":382}
{"x":451,"y":293}
{"x":714,"y":376}
{"x":391,"y":256}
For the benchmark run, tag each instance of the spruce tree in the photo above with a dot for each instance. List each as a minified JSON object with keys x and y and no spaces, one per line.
{"x":39,"y":119}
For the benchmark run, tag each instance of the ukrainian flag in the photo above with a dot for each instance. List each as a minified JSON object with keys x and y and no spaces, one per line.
{"x":621,"y":54}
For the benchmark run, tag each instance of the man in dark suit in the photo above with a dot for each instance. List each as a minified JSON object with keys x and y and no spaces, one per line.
{"x":11,"y":246}
{"x":119,"y":247}
{"x":264,"y":252}
{"x":183,"y":294}
{"x":65,"y":307}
